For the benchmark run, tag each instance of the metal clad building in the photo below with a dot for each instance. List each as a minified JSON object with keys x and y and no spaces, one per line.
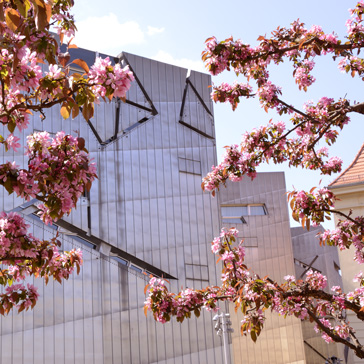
{"x":147,"y":213}
{"x":267,"y":239}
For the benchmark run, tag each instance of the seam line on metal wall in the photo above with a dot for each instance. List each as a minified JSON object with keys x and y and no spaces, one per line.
{"x":188,"y":81}
{"x":123,"y":254}
{"x":154,"y":110}
{"x":315,"y":350}
{"x":196,"y":130}
{"x":134,"y":260}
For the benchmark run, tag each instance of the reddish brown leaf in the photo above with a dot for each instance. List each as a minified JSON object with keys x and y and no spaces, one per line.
{"x":65,"y":110}
{"x":88,"y":186}
{"x":308,"y":224}
{"x":2,"y":15}
{"x":88,"y":111}
{"x":41,"y":16}
{"x":12,"y":18}
{"x":146,"y":288}
{"x":75,"y":111}
{"x":64,"y":58}
{"x":82,"y":64}
{"x":81,"y":143}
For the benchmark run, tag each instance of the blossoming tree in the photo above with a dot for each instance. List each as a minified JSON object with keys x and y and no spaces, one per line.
{"x":301,"y":143}
{"x":35,"y":75}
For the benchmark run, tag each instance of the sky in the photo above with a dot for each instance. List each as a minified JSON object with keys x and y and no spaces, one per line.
{"x":174,"y":32}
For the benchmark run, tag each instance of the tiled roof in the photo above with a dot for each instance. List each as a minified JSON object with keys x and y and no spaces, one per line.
{"x":354,"y":173}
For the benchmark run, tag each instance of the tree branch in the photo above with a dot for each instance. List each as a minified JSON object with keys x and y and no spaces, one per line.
{"x":322,"y":295}
{"x":358,"y":348}
{"x":342,"y":214}
{"x":359,"y":108}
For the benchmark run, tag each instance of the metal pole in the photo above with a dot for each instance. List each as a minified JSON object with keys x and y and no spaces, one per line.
{"x":225,"y":336}
{"x":223,"y":329}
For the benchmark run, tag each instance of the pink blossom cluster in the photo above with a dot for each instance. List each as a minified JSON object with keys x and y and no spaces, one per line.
{"x":110,"y":80}
{"x":255,"y":148}
{"x":25,"y":256}
{"x":18,"y":296}
{"x":58,"y":171}
{"x":354,"y":25}
{"x":164,"y":304}
{"x":316,"y":280}
{"x":320,"y":119}
{"x":224,"y":238}
{"x":348,"y":233}
{"x":62,"y":24}
{"x":24,"y":48}
{"x":231,"y":93}
{"x":11,"y":142}
{"x":302,"y":74}
{"x":268,"y":95}
{"x":333,"y":165}
{"x":218,"y":55}
{"x":314,"y":205}
{"x":356,"y":296}
{"x":352,"y":64}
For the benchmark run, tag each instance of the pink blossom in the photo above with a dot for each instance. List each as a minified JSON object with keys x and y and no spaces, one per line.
{"x":12,"y":142}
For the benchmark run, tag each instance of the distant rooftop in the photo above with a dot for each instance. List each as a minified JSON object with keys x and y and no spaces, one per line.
{"x":354,"y":174}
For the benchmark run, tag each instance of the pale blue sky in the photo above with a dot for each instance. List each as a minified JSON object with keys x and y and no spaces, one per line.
{"x":175,"y":32}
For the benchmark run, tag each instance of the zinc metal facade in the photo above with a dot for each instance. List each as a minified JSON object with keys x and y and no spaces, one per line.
{"x":151,"y":153}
